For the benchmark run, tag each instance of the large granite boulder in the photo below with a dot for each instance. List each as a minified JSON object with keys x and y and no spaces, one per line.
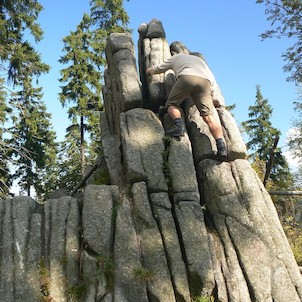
{"x":173,"y":224}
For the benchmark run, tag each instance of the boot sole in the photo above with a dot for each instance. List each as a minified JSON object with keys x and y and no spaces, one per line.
{"x":175,"y":134}
{"x":222,"y":158}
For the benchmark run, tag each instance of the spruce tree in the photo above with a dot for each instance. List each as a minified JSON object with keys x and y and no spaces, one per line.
{"x":82,"y":88}
{"x":85,"y":53}
{"x":28,"y":137}
{"x":261,"y":135}
{"x":109,"y":16}
{"x":69,"y":159}
{"x":31,"y":132}
{"x":15,"y":18}
{"x":4,"y":169}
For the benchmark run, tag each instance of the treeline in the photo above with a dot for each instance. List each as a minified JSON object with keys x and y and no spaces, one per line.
{"x":285,"y":20}
{"x":29,"y":153}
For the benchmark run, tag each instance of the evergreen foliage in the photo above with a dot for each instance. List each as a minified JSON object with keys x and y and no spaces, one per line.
{"x":261,"y":139}
{"x":262,"y":134}
{"x":109,"y":16}
{"x":285,"y":18}
{"x":69,"y":160}
{"x":26,"y":135}
{"x":82,"y":88}
{"x":15,"y":18}
{"x":31,"y":132}
{"x":295,"y":145}
{"x":295,"y":140}
{"x":260,"y":168}
{"x":4,"y":169}
{"x":84,"y":52}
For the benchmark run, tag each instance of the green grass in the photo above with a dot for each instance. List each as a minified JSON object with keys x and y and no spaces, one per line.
{"x":203,"y":299}
{"x":144,"y":275}
{"x":106,"y":265}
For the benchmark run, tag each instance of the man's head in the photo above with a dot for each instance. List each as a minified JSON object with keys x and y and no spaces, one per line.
{"x":178,"y":47}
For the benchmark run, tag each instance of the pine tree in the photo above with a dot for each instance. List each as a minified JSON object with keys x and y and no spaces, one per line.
{"x":83,"y":83}
{"x":85,"y":53}
{"x":31,"y":132}
{"x":4,"y":169}
{"x":262,"y":135}
{"x":69,"y":159}
{"x":29,"y":138}
{"x":21,"y":149}
{"x":48,"y":176}
{"x":109,"y":16}
{"x":15,"y":18}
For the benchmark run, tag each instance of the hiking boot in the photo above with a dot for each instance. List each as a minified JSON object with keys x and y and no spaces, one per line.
{"x":222,"y":154}
{"x":175,"y":131}
{"x":178,"y":128}
{"x":221,"y":150}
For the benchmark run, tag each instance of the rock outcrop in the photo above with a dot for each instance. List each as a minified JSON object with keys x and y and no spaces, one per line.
{"x":173,"y":224}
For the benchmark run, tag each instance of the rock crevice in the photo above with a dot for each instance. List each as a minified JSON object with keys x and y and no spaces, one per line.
{"x":174,"y":224}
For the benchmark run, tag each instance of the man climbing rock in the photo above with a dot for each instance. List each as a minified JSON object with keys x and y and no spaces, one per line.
{"x":195,"y":80}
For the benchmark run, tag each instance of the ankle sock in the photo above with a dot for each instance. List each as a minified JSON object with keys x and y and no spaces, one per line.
{"x":220,"y":143}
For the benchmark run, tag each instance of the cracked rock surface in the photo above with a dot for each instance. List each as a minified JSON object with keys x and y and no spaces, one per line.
{"x":173,"y":224}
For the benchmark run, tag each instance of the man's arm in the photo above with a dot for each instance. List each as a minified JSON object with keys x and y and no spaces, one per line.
{"x":162,"y":67}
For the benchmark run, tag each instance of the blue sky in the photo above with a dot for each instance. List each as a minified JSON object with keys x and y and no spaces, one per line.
{"x":226,"y":32}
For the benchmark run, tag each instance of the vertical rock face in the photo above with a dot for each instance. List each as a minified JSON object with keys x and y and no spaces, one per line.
{"x":20,"y":249}
{"x":153,"y":49}
{"x":174,"y":223}
{"x":122,"y":89}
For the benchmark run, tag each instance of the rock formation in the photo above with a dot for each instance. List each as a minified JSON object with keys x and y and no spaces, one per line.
{"x":173,"y":224}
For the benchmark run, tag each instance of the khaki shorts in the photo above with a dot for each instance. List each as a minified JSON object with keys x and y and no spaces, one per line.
{"x":199,"y":89}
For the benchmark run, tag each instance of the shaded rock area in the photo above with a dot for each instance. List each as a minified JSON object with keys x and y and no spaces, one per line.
{"x":173,"y":224}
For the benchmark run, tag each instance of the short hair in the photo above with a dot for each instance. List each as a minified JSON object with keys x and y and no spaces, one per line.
{"x":177,"y":47}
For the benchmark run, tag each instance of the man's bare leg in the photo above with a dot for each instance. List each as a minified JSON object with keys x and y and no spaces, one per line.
{"x":216,"y":131}
{"x":174,"y":112}
{"x":178,"y":128}
{"x":214,"y":127}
